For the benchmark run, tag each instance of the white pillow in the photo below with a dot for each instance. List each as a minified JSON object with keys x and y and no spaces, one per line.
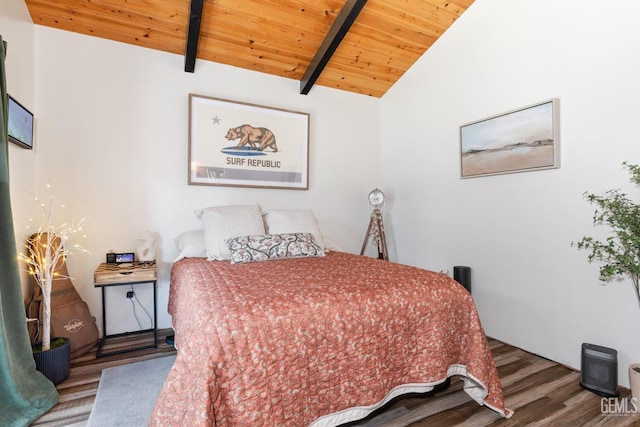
{"x":281,"y":221}
{"x":191,"y":245}
{"x":225,"y":222}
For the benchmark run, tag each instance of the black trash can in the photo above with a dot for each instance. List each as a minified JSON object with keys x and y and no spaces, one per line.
{"x":462,"y":275}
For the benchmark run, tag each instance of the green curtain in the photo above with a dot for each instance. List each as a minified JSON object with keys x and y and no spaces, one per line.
{"x":25,"y":394}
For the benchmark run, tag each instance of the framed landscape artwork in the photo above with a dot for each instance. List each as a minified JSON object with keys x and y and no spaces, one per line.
{"x":247,"y":145}
{"x":20,"y":124}
{"x":521,"y":140}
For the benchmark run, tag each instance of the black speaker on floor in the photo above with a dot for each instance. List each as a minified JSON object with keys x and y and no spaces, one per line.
{"x":599,"y":370}
{"x":462,"y":275}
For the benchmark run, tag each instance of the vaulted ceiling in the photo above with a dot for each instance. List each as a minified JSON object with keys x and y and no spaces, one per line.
{"x":378,"y":41}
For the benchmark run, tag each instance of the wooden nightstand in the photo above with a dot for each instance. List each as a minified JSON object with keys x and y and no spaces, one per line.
{"x":108,"y":275}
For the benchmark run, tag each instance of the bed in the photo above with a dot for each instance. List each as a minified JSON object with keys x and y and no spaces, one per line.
{"x":318,"y":340}
{"x":274,"y":327}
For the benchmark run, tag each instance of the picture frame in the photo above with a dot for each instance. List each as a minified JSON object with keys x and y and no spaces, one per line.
{"x":20,"y":125}
{"x":247,"y":145}
{"x":521,"y":140}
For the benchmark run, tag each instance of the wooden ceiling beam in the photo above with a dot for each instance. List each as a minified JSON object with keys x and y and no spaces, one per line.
{"x":193,"y":35}
{"x":336,"y":33}
{"x":276,"y":37}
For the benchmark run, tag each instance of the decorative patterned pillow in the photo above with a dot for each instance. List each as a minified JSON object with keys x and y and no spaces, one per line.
{"x":264,"y":247}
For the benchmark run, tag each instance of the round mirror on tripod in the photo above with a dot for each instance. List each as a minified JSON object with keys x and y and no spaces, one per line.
{"x":376,"y":199}
{"x":375,"y":231}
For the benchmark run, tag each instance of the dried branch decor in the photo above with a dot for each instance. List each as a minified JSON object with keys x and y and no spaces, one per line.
{"x":45,"y":252}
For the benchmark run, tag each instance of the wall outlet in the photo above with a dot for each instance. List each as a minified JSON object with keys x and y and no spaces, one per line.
{"x":129,"y":294}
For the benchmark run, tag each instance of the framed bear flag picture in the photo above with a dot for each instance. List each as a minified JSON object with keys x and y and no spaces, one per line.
{"x":247,"y":145}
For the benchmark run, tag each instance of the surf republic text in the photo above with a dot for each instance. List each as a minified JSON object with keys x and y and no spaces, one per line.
{"x":258,"y":163}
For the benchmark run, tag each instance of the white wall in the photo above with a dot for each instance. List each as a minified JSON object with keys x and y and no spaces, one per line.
{"x":531,"y":287}
{"x":113,"y":135}
{"x":17,"y":30}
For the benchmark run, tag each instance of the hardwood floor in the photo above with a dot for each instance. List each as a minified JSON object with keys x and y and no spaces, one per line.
{"x":78,"y":392}
{"x":542,"y":393}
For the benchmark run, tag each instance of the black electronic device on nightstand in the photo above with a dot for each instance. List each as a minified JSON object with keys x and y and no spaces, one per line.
{"x":120,"y":257}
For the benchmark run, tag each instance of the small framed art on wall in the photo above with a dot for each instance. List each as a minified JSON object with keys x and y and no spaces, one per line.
{"x":20,"y":126}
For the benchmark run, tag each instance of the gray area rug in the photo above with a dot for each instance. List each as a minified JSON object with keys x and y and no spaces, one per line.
{"x":127,"y":394}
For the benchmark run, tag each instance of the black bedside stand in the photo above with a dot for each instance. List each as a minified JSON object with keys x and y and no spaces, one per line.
{"x":109,"y":275}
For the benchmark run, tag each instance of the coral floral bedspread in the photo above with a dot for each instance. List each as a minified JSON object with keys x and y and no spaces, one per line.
{"x":289,"y":342}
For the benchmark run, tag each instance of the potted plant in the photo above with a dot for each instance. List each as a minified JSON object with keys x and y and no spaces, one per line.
{"x":45,"y":251}
{"x":620,"y":252}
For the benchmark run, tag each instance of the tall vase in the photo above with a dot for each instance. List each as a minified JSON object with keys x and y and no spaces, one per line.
{"x":634,"y":380}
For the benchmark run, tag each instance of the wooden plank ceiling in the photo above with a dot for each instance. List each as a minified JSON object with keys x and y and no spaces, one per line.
{"x":278,"y":37}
